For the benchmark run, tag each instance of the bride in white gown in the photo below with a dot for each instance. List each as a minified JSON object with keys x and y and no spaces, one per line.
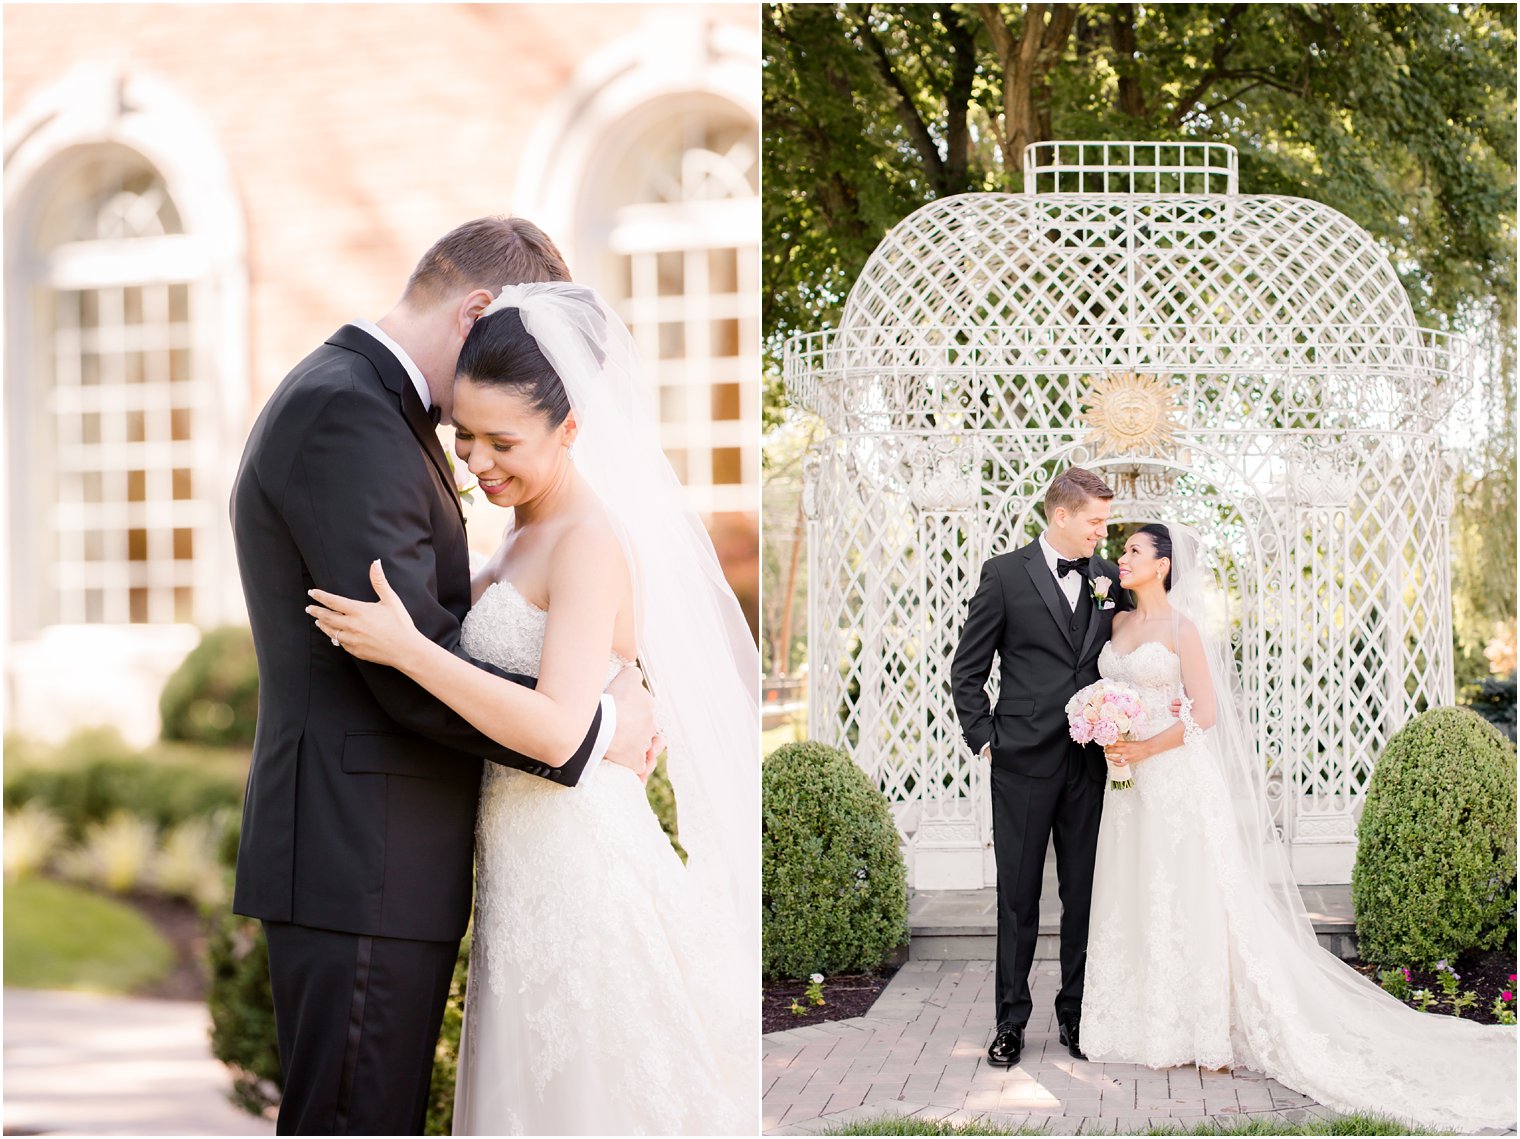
{"x":1200,"y":949}
{"x":611,"y":987}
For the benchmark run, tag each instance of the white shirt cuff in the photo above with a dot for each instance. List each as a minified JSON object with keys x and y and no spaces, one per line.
{"x":603,"y":739}
{"x":986,"y":752}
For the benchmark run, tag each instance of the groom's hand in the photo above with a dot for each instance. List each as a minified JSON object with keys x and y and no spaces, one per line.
{"x":633,"y":739}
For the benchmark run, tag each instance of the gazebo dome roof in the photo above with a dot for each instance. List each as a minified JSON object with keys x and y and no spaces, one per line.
{"x":1105,"y":261}
{"x":1103,"y":265}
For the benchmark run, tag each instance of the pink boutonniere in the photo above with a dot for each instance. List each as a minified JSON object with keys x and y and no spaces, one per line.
{"x":1100,"y":588}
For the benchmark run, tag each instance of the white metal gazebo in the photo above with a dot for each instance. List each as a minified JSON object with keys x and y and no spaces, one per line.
{"x":1248,"y":364}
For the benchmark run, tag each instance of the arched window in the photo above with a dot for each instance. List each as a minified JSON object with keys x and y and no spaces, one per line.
{"x":647,"y":174}
{"x":124,"y":362}
{"x":122,"y":412}
{"x":679,"y":258}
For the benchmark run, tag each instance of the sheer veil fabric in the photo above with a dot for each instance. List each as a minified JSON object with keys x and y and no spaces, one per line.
{"x":1306,"y":1017}
{"x":694,"y":645}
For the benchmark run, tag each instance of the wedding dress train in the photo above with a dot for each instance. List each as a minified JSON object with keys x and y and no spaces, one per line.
{"x":1189,"y":962}
{"x":594,"y":1004}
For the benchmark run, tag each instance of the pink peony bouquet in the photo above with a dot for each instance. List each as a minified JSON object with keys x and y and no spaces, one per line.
{"x":1104,"y":713}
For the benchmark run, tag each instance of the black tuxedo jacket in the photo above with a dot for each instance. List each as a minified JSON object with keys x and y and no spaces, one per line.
{"x":1019,"y":613}
{"x":360,"y":808}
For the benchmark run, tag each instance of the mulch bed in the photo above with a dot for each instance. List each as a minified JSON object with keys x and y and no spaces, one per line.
{"x":1485,"y":972}
{"x":846,"y":996}
{"x":181,"y":925}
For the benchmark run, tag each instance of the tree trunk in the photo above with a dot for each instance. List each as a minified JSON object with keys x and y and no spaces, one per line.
{"x":781,"y":658}
{"x":1026,"y":62}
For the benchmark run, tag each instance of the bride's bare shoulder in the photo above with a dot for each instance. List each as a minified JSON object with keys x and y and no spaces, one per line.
{"x":590,"y":540}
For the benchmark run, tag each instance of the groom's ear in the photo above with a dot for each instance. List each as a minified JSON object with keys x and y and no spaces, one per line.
{"x":470,"y":308}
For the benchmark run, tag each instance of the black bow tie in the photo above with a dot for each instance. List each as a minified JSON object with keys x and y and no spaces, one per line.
{"x":1065,"y":566}
{"x":436,"y":415}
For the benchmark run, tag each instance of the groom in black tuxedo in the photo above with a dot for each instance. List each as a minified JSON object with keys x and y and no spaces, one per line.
{"x":1045,"y":611}
{"x":357,"y":846}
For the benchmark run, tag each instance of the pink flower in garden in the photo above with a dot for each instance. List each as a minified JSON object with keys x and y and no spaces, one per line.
{"x":1507,"y":995}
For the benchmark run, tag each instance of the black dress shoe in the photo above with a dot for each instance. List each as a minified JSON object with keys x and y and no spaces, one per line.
{"x":1007,"y":1046}
{"x":1071,"y":1028}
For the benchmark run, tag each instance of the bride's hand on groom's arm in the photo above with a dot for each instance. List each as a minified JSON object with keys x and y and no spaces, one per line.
{"x":380,"y":631}
{"x":636,"y":744}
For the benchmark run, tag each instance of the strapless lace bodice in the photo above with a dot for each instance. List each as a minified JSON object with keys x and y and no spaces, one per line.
{"x":1155,"y":672}
{"x":504,"y":628}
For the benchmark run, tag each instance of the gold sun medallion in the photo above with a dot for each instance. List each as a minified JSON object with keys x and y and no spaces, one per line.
{"x":1129,"y":412}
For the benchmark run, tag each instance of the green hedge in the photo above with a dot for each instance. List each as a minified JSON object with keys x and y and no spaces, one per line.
{"x":1435,"y":860}
{"x":166,"y":793}
{"x":213,"y":697}
{"x":833,"y":882}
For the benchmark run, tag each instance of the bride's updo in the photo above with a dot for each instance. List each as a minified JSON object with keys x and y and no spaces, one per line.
{"x":1161,"y":539}
{"x":500,"y":353}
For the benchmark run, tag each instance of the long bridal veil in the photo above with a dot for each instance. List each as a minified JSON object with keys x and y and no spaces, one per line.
{"x":1314,"y":1022}
{"x":694,"y":644}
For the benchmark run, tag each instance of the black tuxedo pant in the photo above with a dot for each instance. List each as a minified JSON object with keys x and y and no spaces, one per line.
{"x":1027,"y":815}
{"x":357,"y":1020}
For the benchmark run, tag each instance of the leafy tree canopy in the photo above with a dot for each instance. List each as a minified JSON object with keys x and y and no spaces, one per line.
{"x":1401,"y":116}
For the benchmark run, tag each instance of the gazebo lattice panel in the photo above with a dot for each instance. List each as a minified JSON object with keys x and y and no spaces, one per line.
{"x":1301,"y":434}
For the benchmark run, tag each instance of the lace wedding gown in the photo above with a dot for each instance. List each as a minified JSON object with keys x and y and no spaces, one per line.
{"x":1188,"y":963}
{"x":593,"y":1004}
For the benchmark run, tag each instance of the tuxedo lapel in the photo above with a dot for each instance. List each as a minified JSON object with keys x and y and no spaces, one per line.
{"x":396,"y":381}
{"x":1045,"y":582}
{"x":1093,"y":567}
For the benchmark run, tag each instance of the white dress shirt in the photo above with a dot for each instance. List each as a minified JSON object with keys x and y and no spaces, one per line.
{"x":609,"y":706}
{"x":1071,"y":584}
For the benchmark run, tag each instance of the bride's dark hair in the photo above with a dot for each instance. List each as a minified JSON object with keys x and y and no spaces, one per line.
{"x":1161,"y":539}
{"x":500,"y":352}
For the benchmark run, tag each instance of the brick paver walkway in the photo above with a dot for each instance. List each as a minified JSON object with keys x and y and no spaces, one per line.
{"x":922,"y":1051}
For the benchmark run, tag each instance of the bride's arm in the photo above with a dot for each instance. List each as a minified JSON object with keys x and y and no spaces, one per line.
{"x":1197,"y":682}
{"x":588,"y":581}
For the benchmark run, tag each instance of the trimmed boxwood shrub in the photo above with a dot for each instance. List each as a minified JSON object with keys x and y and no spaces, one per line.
{"x":213,"y":696}
{"x":242,"y":1011}
{"x":1435,"y":859}
{"x":833,"y":884}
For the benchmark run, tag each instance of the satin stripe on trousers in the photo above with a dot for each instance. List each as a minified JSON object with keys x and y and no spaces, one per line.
{"x":357,"y":1020}
{"x":1027,"y":816}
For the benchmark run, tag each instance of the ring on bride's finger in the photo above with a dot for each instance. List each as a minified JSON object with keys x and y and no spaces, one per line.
{"x":337,"y":644}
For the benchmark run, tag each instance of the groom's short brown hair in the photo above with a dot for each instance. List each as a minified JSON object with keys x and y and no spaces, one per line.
{"x":1072,"y":487}
{"x":486,"y":253}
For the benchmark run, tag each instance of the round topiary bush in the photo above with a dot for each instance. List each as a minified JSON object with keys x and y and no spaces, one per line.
{"x":213,"y":697}
{"x":833,"y":884}
{"x":1435,"y":859}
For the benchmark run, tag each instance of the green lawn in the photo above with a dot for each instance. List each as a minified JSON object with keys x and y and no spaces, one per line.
{"x":1343,"y":1125}
{"x":61,"y":937}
